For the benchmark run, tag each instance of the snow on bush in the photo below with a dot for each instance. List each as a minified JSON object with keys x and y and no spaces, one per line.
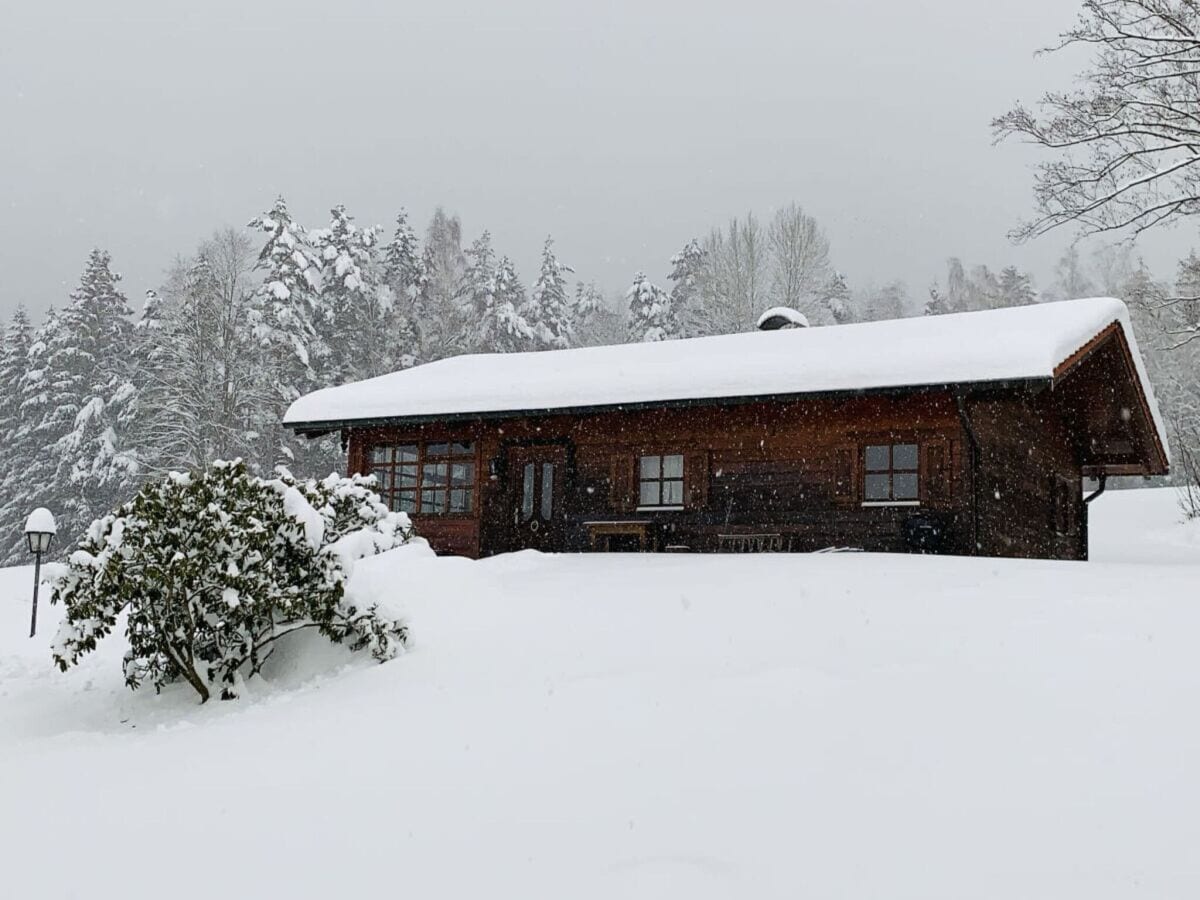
{"x":214,"y":568}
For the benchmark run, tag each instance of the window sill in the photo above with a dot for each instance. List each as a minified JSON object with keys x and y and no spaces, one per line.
{"x":659,"y":509}
{"x":879,"y":503}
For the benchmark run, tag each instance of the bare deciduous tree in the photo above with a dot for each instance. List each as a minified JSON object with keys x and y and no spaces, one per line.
{"x":1127,"y":141}
{"x":735,"y":289}
{"x":800,"y":266}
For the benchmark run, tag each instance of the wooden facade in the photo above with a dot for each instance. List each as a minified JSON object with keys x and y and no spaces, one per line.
{"x":993,"y":470}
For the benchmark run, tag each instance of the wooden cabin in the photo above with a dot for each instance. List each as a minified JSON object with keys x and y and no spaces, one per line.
{"x":968,"y":434}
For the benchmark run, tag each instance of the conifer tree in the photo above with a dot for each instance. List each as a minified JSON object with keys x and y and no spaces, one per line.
{"x":838,"y":299}
{"x":351,"y":317}
{"x":479,"y":289}
{"x":442,"y":309}
{"x":290,"y":352}
{"x":550,"y":312}
{"x":178,"y":421}
{"x":687,"y":274}
{"x":651,"y":317}
{"x":402,"y":268}
{"x":1015,"y":288}
{"x":936,"y":304}
{"x":80,"y":397}
{"x":14,"y":365}
{"x":503,"y":327}
{"x":403,"y":275}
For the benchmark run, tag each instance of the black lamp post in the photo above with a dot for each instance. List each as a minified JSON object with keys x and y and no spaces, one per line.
{"x":39,"y":531}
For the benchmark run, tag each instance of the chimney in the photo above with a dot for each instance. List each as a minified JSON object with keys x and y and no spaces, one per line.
{"x":779,"y":317}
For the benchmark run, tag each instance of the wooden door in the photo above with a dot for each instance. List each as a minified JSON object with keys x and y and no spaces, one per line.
{"x":536,"y":475}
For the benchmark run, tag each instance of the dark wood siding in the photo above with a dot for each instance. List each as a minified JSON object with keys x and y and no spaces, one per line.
{"x":789,"y":469}
{"x":1028,"y":470}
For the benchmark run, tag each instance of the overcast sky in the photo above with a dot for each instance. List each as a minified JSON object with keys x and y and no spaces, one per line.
{"x":622,"y":128}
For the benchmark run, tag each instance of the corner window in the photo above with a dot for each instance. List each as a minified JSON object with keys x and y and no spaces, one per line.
{"x":660,"y":481}
{"x":428,"y":479}
{"x":890,"y":473}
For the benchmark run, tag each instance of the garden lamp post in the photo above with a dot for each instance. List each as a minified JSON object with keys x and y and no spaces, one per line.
{"x":39,"y":531}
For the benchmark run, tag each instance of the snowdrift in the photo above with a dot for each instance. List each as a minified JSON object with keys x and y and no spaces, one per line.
{"x":651,"y":726}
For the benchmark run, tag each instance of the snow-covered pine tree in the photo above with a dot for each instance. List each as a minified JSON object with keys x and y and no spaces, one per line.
{"x":504,"y":328}
{"x":80,"y":399}
{"x":178,"y":421}
{"x":479,"y":282}
{"x":599,"y":323}
{"x":352,"y":314}
{"x":687,"y":276}
{"x":1015,"y":288}
{"x":549,"y":311}
{"x":198,"y":361}
{"x":403,"y":271}
{"x":36,"y":486}
{"x":14,"y":365}
{"x":443,"y":311}
{"x":838,"y":300}
{"x":290,"y":352}
{"x":651,"y":317}
{"x":936,"y":304}
{"x":403,"y":274}
{"x":589,"y":313}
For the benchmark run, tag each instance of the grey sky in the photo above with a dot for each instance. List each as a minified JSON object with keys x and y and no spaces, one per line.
{"x":622,"y":128}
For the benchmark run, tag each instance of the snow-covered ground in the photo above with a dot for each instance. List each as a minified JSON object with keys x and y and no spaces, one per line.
{"x":827,"y":726}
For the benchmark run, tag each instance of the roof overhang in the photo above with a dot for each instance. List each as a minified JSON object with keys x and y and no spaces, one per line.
{"x":1155,"y":459}
{"x":330,"y":426}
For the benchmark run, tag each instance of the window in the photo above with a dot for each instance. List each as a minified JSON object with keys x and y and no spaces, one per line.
{"x":890,"y":473}
{"x":661,"y":482}
{"x":429,"y":479}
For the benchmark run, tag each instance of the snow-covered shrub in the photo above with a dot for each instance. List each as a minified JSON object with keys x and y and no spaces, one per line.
{"x":214,"y":568}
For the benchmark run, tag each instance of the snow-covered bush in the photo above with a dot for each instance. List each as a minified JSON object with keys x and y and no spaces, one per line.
{"x":214,"y":568}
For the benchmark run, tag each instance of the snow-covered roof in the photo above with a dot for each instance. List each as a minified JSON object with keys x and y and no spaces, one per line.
{"x":1003,"y":345}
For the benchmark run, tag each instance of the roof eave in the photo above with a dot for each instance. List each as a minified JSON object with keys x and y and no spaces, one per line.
{"x":329,"y":426}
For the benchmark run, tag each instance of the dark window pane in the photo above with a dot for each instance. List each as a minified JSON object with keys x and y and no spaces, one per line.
{"x":651,"y":466}
{"x":878,"y":487}
{"x":433,"y":501}
{"x":904,"y":486}
{"x":878,"y":458}
{"x":405,"y":501}
{"x":383,"y":479}
{"x":381,"y":454}
{"x":406,"y":476}
{"x":464,"y":448}
{"x":547,"y":490}
{"x":904,"y":456}
{"x":462,"y":474}
{"x":672,"y":466}
{"x":460,"y":500}
{"x":437,"y":449}
{"x":672,"y":493}
{"x":435,"y":473}
{"x":406,"y":453}
{"x":649,"y":494}
{"x":527,"y":493}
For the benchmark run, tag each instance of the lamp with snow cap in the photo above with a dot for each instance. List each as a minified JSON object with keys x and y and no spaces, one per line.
{"x":39,"y":531}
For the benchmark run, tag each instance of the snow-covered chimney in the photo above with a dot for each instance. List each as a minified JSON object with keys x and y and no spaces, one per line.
{"x":779,"y":317}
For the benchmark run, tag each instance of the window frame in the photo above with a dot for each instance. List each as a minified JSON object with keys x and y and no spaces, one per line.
{"x":890,"y":443}
{"x":661,"y":480}
{"x":424,"y":463}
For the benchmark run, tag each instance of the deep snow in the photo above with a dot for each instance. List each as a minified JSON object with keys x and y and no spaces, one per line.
{"x":841,"y":725}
